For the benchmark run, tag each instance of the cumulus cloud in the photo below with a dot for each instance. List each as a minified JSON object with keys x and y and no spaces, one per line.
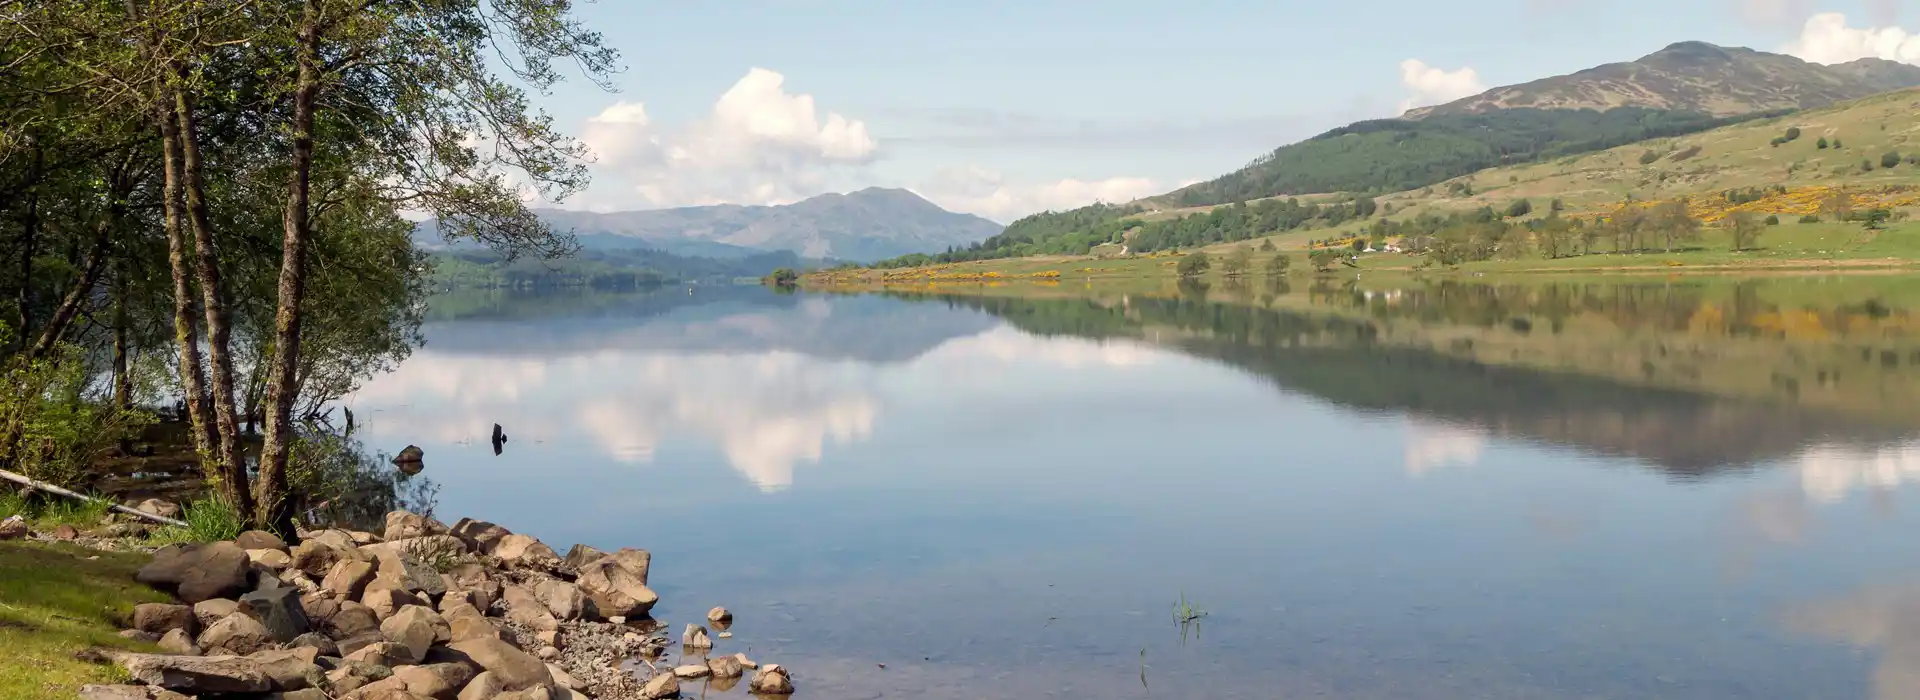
{"x":1826,"y":38}
{"x":985,"y":192}
{"x":761,"y":144}
{"x":1429,"y":85}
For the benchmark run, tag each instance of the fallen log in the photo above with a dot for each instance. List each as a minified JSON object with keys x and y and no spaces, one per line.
{"x":115,"y":507}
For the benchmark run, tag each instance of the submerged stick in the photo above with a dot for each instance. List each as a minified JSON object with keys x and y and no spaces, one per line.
{"x":115,"y":507}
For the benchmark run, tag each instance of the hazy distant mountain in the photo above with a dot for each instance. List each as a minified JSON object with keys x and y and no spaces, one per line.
{"x":1696,"y":76}
{"x":867,"y":225}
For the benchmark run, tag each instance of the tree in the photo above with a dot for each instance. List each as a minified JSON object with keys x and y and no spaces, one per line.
{"x":1793,"y":132}
{"x":1519,"y":208}
{"x":1279,"y":265}
{"x":1238,"y":262}
{"x":783,"y":277}
{"x":1364,"y":207}
{"x":1745,"y":227}
{"x":1773,"y":220}
{"x":1822,"y":143}
{"x":1875,"y":219}
{"x":1890,"y":159}
{"x":1266,"y":245}
{"x":1837,"y":204}
{"x":1359,"y":245}
{"x":1674,"y":224}
{"x":1556,"y":237}
{"x":1323,"y":259}
{"x":1194,"y":265}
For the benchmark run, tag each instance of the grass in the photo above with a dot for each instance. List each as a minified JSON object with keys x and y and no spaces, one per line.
{"x":58,"y":599}
{"x":208,"y":520}
{"x":54,"y":513}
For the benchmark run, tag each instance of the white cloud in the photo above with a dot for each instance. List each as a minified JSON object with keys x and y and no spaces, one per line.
{"x":1826,"y":38}
{"x":977,"y":190}
{"x":760,"y":145}
{"x":1432,"y":446}
{"x":1429,"y":85}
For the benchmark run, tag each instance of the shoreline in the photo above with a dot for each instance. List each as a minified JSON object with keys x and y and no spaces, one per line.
{"x":421,"y":610}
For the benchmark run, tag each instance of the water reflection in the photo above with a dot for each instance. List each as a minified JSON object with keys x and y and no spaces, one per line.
{"x":1432,"y":490}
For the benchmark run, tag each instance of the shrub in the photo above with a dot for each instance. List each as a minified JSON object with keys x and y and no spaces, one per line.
{"x":1793,"y":132}
{"x":1890,"y":159}
{"x":1684,"y":154}
{"x":1194,"y":265}
{"x":1866,"y":166}
{"x":1810,"y":219}
{"x":208,"y":520}
{"x":1821,"y":144}
{"x":1649,"y":157}
{"x":1519,"y":207}
{"x":1773,"y":220}
{"x":1278,"y":265}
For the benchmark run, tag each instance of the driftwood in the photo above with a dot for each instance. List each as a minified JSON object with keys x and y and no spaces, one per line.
{"x":115,"y":507}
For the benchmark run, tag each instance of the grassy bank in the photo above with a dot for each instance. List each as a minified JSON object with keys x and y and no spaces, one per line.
{"x":56,"y":600}
{"x":1825,"y":247}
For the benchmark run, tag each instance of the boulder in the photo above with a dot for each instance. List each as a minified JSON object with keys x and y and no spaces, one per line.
{"x":480,"y":535}
{"x":726,"y":667}
{"x":66,"y":533}
{"x":410,"y":457}
{"x":160,"y":507}
{"x":662,"y":686}
{"x":437,"y":681}
{"x":563,"y":679}
{"x":139,"y":636}
{"x":454,"y":597}
{"x":337,"y":539}
{"x":161,"y":618}
{"x":692,"y":671}
{"x":270,"y":559}
{"x":13,"y":528}
{"x":388,"y":654}
{"x":547,"y":653}
{"x":314,"y":557}
{"x":302,"y":694}
{"x":563,"y":599}
{"x":512,"y":668}
{"x":362,"y":539}
{"x":402,"y":525}
{"x":197,"y":572}
{"x":482,"y":687}
{"x":415,"y":628}
{"x":720,"y":617}
{"x":348,"y":676}
{"x":581,"y":555}
{"x":320,"y":643}
{"x":207,"y":612}
{"x":348,"y":578}
{"x":771,"y":679}
{"x":196,"y":674}
{"x":744,"y":661}
{"x":617,"y":584}
{"x":524,"y":550}
{"x":279,"y":609}
{"x":525,"y":608}
{"x":695,"y":637}
{"x":179,"y":642}
{"x":290,"y":669}
{"x":464,"y":622}
{"x":236,"y":634}
{"x":387,"y":601}
{"x":260,"y":539}
{"x":349,"y":645}
{"x":347,"y":618}
{"x":128,"y":692}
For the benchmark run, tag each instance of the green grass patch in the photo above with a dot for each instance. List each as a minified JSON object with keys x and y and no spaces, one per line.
{"x":208,"y":520}
{"x":56,"y":600}
{"x":53,"y":513}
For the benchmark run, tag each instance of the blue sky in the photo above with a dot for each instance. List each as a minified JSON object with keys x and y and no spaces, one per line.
{"x":1003,"y":108}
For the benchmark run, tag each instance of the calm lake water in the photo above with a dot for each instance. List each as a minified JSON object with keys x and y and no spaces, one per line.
{"x":1628,"y":490}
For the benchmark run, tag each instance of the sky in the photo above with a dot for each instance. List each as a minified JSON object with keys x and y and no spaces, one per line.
{"x":1005,"y":108}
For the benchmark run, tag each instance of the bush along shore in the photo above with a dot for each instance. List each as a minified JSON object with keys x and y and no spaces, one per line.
{"x":421,"y":611}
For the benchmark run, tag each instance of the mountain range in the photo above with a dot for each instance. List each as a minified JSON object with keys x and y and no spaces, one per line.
{"x":1695,"y":76}
{"x":866,"y":225}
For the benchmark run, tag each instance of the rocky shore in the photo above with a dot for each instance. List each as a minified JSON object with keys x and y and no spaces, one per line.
{"x":421,"y":611}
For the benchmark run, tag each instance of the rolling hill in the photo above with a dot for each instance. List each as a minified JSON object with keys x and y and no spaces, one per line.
{"x":866,"y":225}
{"x":1686,"y":89}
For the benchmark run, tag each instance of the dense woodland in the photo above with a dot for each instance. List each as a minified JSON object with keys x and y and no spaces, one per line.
{"x":202,"y":202}
{"x":629,"y":269}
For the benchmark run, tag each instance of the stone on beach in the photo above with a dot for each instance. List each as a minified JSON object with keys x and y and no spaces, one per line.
{"x":695,"y":637}
{"x":198,"y":572}
{"x":771,"y":679}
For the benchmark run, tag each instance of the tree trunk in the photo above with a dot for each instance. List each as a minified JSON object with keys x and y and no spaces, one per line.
{"x":186,"y":332}
{"x":29,"y":243}
{"x":77,"y":296}
{"x":273,"y":500}
{"x":233,"y":468}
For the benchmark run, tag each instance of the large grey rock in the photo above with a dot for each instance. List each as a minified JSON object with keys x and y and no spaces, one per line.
{"x":339,"y":619}
{"x":314,"y":557}
{"x":437,"y":681}
{"x":512,"y":668}
{"x":563,"y":599}
{"x":617,"y":584}
{"x":771,"y":679}
{"x":197,"y":572}
{"x":464,"y":622}
{"x":525,"y":608}
{"x":320,"y":643}
{"x":272,"y":560}
{"x":161,"y":618}
{"x":337,"y":539}
{"x":259,"y":539}
{"x":237,"y":634}
{"x":725,"y":667}
{"x":196,"y":674}
{"x":290,"y":669}
{"x":279,"y":610}
{"x":128,"y":692}
{"x":525,"y":551}
{"x":160,"y":507}
{"x":402,"y":525}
